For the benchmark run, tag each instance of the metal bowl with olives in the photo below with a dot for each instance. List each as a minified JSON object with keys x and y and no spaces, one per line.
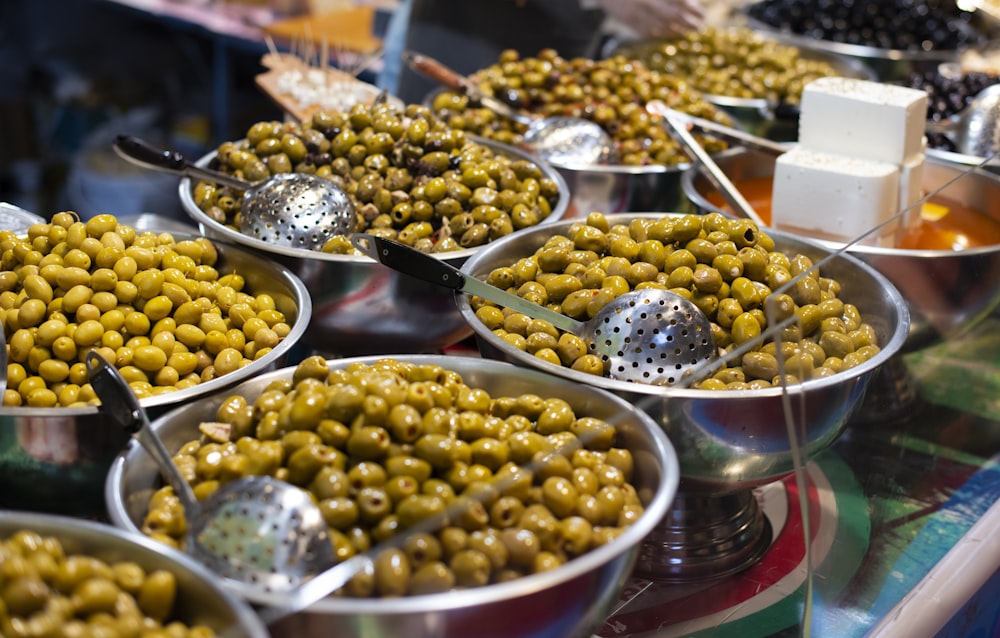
{"x":580,"y":476}
{"x":731,"y":438}
{"x":178,"y":314}
{"x":754,"y":78}
{"x":68,"y":576}
{"x":412,"y":178}
{"x":612,"y":92}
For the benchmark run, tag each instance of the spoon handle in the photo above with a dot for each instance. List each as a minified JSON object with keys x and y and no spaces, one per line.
{"x":142,"y":153}
{"x":657,"y":107}
{"x":455,"y":81}
{"x":121,"y":404}
{"x":715,"y":174}
{"x":423,"y":266}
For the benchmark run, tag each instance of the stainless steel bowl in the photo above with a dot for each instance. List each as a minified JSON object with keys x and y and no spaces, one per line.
{"x":359,"y":306}
{"x":200,"y":600}
{"x":889,"y":65}
{"x":729,"y":441}
{"x":570,"y":600}
{"x":947,"y":291}
{"x":55,"y":459}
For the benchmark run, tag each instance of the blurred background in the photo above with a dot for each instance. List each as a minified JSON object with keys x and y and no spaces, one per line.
{"x":75,"y":73}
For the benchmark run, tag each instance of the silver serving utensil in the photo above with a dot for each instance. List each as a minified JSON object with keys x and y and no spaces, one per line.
{"x":648,"y":336}
{"x":562,"y":140}
{"x":728,"y":133}
{"x":976,"y":128}
{"x":263,"y":534}
{"x":715,"y":174}
{"x":296,"y":210}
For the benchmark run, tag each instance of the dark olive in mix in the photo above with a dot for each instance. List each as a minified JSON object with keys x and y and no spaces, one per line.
{"x":152,"y":305}
{"x":737,"y":62}
{"x":46,"y":590}
{"x":527,"y":482}
{"x":906,"y":25}
{"x":412,"y":177}
{"x":612,"y":92}
{"x":727,"y":267}
{"x":947,"y":95}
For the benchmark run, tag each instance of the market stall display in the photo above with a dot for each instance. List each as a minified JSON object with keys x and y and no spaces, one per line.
{"x":830,"y":447}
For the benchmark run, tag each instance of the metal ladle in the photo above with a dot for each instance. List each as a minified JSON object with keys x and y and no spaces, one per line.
{"x":648,"y":335}
{"x":560,"y":139}
{"x":263,"y":534}
{"x":976,"y":128}
{"x":296,"y":210}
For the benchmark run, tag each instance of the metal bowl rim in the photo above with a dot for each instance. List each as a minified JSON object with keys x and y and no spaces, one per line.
{"x":185,"y":191}
{"x":303,"y":302}
{"x":696,"y":198}
{"x":894,"y":300}
{"x":628,"y":540}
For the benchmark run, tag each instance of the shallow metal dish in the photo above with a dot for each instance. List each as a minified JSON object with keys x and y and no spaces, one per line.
{"x":359,"y":306}
{"x":947,"y":291}
{"x":570,"y":600}
{"x":55,"y":459}
{"x":200,"y":600}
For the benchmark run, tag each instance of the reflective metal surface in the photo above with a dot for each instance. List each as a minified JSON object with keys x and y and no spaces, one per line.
{"x":567,"y":601}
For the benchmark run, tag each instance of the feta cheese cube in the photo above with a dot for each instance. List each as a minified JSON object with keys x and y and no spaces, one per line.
{"x":863,"y":119}
{"x":835,"y":197}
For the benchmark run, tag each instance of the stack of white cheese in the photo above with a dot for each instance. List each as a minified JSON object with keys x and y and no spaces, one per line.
{"x":858,"y":162}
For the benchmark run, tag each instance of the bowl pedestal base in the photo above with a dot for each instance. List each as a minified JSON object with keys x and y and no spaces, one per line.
{"x":705,"y":536}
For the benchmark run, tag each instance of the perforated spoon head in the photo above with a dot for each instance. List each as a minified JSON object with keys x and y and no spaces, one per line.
{"x":650,"y":336}
{"x":570,"y":141}
{"x":265,"y":534}
{"x":297,"y":210}
{"x":978,"y":131}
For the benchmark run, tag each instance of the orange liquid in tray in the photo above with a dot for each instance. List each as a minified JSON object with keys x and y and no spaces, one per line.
{"x":944,"y":225}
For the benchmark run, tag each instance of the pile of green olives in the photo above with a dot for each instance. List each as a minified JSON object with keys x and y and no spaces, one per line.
{"x":727,"y":267}
{"x":155,"y":307}
{"x":411,"y":176}
{"x":525,"y":482}
{"x":45,"y":591}
{"x":612,"y":92}
{"x":736,"y":63}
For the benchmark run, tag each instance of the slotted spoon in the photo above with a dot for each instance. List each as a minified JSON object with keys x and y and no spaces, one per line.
{"x":295,"y":210}
{"x":560,"y":139}
{"x":263,"y":534}
{"x":649,"y":335}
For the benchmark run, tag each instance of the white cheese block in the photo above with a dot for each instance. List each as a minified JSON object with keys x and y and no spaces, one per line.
{"x":836,"y":197}
{"x":863,"y":119}
{"x":911,"y":179}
